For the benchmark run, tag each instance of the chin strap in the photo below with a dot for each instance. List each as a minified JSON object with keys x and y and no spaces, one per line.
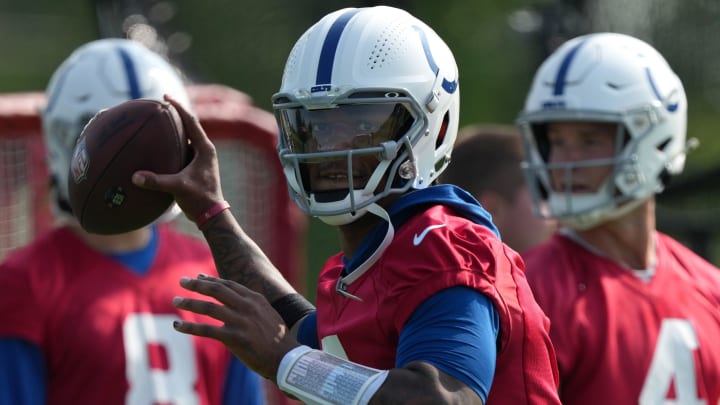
{"x":344,"y":282}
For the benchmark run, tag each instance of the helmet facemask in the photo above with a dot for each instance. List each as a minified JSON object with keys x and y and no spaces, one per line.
{"x":555,"y":182}
{"x":344,"y":156}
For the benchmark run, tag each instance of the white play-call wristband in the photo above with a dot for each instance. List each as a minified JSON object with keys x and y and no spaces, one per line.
{"x":316,"y":377}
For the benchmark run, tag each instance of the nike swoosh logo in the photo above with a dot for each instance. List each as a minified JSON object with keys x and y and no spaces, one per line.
{"x":417,"y":239}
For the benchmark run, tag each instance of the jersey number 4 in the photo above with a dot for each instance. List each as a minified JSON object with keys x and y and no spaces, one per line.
{"x":673,"y":362}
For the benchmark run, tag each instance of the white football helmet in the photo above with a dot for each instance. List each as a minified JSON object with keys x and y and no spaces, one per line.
{"x":611,"y":78}
{"x":378,"y":62}
{"x":98,"y":75}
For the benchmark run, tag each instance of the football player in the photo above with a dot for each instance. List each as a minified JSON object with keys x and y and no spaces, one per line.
{"x":87,"y":319}
{"x":424,"y":304}
{"x":635,"y":315}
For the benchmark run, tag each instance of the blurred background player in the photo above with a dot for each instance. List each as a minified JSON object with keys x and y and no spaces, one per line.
{"x":634,"y":315}
{"x":423,"y":303}
{"x":87,"y":319}
{"x":486,"y":162}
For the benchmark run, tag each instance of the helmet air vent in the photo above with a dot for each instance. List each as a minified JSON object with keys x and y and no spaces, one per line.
{"x":388,"y":48}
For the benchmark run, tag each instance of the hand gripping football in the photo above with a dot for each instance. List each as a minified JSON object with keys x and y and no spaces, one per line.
{"x":136,"y":135}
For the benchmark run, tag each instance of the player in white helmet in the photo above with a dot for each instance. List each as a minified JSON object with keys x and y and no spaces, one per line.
{"x":634,"y":314}
{"x":84,"y":318}
{"x":424,"y":303}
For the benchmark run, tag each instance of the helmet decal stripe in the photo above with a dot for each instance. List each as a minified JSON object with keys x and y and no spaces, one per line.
{"x":131,"y":73}
{"x":449,"y":86}
{"x":327,"y":54}
{"x":672,"y":107}
{"x":564,"y":67}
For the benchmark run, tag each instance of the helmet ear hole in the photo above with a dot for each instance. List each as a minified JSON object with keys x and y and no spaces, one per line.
{"x":661,"y":147}
{"x":664,"y":176}
{"x":443,"y":130}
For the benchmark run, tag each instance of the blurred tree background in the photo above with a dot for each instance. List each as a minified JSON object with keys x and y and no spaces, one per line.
{"x":497,"y":44}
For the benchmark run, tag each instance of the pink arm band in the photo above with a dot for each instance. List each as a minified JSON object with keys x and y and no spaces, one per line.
{"x":211,"y":212}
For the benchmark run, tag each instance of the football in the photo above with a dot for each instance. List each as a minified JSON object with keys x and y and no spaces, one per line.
{"x":139,"y":134}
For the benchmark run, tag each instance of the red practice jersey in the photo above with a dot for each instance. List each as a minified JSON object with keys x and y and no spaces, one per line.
{"x":423,"y":259}
{"x":106,"y":333}
{"x":620,"y":339}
